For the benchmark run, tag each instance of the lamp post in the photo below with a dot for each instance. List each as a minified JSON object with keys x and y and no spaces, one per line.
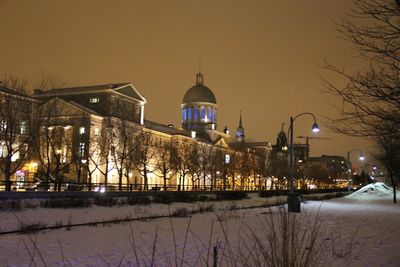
{"x":349,"y":180}
{"x":293,"y":198}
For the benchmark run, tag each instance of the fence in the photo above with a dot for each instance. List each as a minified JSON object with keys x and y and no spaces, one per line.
{"x":115,"y":187}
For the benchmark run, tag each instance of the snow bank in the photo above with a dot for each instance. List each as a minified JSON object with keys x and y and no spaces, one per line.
{"x":373,"y":191}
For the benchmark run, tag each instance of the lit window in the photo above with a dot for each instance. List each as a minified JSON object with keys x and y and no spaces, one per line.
{"x":3,"y":125}
{"x":24,"y":127}
{"x":3,"y":150}
{"x":94,"y":100}
{"x":189,"y":114}
{"x":82,"y":130}
{"x":195,"y":114}
{"x":96,"y":131}
{"x":81,"y":149}
{"x":184,"y":114}
{"x":213,"y":115}
{"x":203,"y":114}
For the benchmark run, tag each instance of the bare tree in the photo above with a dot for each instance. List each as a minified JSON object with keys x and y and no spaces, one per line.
{"x":16,"y":113}
{"x":205,"y":154}
{"x":105,"y":150}
{"x":144,"y":154}
{"x":15,"y":82}
{"x":167,"y":164}
{"x":183,"y":162}
{"x":390,"y":157}
{"x":216,"y":167}
{"x":370,"y":99}
{"x":124,"y":147}
{"x":194,"y":162}
{"x":54,"y":147}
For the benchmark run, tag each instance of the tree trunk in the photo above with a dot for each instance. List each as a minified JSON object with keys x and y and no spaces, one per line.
{"x":392,"y":180}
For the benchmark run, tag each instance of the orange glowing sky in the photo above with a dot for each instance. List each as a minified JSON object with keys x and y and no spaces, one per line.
{"x":259,"y":56}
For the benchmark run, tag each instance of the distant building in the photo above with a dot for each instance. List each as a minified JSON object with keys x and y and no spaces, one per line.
{"x":98,"y":135}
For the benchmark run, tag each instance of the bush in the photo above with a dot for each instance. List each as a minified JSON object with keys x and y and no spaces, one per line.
{"x":181,"y":212}
{"x":186,"y":197}
{"x":206,"y":208}
{"x":11,"y":205}
{"x":204,"y":198}
{"x":65,"y":203}
{"x":231,"y":195}
{"x":162,"y":198}
{"x":272,"y":193}
{"x":31,"y":227}
{"x":138,"y":200}
{"x":105,"y":201}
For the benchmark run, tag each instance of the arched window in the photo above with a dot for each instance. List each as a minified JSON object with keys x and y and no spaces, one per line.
{"x":213,"y":115}
{"x":195,"y":114}
{"x":203,"y":114}
{"x":209,"y":114}
{"x":189,"y":114}
{"x":184,"y":115}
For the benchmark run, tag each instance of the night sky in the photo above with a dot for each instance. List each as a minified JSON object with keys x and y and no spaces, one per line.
{"x":261,"y":57}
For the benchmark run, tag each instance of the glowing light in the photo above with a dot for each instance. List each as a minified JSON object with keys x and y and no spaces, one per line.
{"x":315,"y":128}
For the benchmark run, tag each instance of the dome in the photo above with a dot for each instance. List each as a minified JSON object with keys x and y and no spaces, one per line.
{"x":199,"y":93}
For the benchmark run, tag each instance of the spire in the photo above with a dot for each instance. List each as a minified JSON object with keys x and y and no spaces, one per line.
{"x":240,"y":130}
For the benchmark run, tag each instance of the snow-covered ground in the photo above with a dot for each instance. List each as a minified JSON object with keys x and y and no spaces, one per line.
{"x":359,"y":233}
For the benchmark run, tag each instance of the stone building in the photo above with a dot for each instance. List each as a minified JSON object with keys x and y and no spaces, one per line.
{"x":97,"y":136}
{"x":16,"y":135}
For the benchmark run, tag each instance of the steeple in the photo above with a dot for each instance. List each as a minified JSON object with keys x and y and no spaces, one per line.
{"x":240,"y":131}
{"x":281,"y":141}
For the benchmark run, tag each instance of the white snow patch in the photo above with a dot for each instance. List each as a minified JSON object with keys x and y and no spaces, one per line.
{"x":373,"y":191}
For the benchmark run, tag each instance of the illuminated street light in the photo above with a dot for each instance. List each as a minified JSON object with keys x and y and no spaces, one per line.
{"x":293,"y":198}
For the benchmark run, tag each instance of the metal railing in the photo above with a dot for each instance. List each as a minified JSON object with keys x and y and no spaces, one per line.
{"x":133,"y":187}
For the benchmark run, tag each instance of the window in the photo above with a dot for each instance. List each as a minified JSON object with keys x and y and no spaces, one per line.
{"x":196,"y":114}
{"x":96,"y":131}
{"x":82,"y":130}
{"x":93,"y":100}
{"x":203,"y":115}
{"x":3,"y":150}
{"x":208,"y":114}
{"x":24,"y":127}
{"x":184,"y":115}
{"x":213,"y":115}
{"x":189,"y":114}
{"x":3,"y":126}
{"x":81,"y":149}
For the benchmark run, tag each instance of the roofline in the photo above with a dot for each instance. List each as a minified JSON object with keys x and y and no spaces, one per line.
{"x":110,"y":90}
{"x":93,"y":113}
{"x":17,"y":94}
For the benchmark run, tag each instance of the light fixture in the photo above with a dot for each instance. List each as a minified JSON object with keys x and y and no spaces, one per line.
{"x":315,"y":128}
{"x":362,"y":158}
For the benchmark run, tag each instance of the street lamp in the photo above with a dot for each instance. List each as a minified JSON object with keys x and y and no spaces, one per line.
{"x":293,"y":198}
{"x":361,"y":158}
